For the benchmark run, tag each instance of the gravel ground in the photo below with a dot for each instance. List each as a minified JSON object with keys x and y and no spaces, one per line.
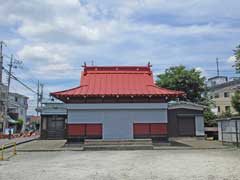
{"x":111,"y":165}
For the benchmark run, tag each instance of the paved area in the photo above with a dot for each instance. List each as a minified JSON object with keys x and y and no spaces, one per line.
{"x":44,"y":145}
{"x":18,"y":140}
{"x":181,"y":143}
{"x":223,"y":164}
{"x":196,"y":143}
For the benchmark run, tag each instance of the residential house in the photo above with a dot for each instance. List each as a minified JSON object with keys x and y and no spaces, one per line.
{"x":17,"y":107}
{"x":221,"y":92}
{"x":3,"y":100}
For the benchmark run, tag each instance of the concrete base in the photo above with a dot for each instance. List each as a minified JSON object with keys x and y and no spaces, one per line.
{"x":135,"y":144}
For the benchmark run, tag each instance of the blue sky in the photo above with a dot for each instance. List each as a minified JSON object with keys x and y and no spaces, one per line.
{"x":54,"y":38}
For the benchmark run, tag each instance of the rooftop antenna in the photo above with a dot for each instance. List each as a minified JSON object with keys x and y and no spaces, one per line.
{"x":149,"y":64}
{"x":84,"y":64}
{"x":217,"y":62}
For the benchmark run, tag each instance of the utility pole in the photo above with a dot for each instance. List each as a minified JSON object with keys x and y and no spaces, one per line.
{"x":41,"y":94}
{"x":7,"y":93}
{"x":38,"y":87}
{"x":9,"y":75}
{"x":1,"y":59}
{"x":39,"y":97}
{"x":217,"y":62}
{"x":2,"y":103}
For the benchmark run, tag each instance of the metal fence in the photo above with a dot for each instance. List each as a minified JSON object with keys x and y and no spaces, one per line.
{"x":230,"y":131}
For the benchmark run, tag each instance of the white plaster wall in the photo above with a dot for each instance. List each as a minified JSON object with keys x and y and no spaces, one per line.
{"x":117,"y":123}
{"x":219,"y":131}
{"x":199,"y":124}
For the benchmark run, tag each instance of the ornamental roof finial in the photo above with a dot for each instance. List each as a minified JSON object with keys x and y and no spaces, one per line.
{"x":149,"y":64}
{"x":84,"y":64}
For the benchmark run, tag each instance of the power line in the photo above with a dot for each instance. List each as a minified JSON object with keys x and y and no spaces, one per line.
{"x":18,"y":80}
{"x":9,"y":57}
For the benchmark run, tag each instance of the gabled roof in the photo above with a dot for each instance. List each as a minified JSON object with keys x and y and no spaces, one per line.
{"x":116,"y":81}
{"x":185,"y":105}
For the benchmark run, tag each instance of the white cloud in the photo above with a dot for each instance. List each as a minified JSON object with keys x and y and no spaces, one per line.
{"x":55,"y":37}
{"x":203,"y":72}
{"x":231,"y":59}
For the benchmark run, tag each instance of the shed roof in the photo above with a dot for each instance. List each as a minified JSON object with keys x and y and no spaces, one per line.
{"x":116,"y":81}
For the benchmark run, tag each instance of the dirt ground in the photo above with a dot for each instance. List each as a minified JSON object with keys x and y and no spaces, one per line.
{"x":110,"y":165}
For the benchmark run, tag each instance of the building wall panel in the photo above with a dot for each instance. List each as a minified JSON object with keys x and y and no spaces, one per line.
{"x":117,"y":123}
{"x":93,"y":129}
{"x":173,"y":119}
{"x":142,"y":129}
{"x":76,"y":129}
{"x":158,"y":128}
{"x":199,"y":124}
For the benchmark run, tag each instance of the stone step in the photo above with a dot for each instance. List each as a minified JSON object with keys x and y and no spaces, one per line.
{"x":116,"y":147}
{"x":96,"y":142}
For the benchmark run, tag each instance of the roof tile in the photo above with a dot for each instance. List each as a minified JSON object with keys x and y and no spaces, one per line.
{"x":116,"y":80}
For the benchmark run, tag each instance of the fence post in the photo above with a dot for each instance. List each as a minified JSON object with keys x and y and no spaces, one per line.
{"x":2,"y":156}
{"x":222,"y":131}
{"x":236,"y":126}
{"x":15,"y":148}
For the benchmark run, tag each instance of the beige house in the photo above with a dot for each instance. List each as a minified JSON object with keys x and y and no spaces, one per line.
{"x":3,"y":100}
{"x":221,"y":95}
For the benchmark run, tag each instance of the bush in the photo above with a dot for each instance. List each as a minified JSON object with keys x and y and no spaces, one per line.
{"x":236,"y":101}
{"x":209,"y":118}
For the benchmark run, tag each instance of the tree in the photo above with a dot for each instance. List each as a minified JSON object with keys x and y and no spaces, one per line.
{"x":209,"y":118}
{"x":237,"y":55}
{"x":236,"y":101}
{"x":226,"y":114}
{"x":181,"y":79}
{"x":19,"y":124}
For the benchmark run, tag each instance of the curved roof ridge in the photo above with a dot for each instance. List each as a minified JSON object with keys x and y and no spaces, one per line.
{"x":66,"y":90}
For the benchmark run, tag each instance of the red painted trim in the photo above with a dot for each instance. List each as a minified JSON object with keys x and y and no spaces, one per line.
{"x":141,"y":129}
{"x":84,"y":129}
{"x":93,"y":129}
{"x":158,"y":128}
{"x":144,"y":129}
{"x":76,"y":129}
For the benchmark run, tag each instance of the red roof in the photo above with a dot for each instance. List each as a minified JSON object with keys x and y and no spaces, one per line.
{"x":35,"y":118}
{"x":116,"y":81}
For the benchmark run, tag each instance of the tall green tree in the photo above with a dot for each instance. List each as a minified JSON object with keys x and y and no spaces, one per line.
{"x":237,"y":55}
{"x":209,"y":118}
{"x":236,"y":101}
{"x":188,"y":80}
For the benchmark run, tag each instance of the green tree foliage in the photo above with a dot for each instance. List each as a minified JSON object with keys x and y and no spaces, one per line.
{"x":236,"y":101}
{"x":20,"y":122}
{"x":226,"y":114}
{"x":209,"y":118}
{"x":237,"y":55}
{"x":181,"y":79}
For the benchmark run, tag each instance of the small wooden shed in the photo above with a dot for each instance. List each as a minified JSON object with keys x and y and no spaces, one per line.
{"x":185,"y":119}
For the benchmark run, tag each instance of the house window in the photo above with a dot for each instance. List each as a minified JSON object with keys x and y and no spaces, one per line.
{"x":219,"y":109}
{"x":16,"y":99}
{"x":227,"y":108}
{"x":213,"y":83}
{"x":216,"y":95}
{"x":226,"y":94}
